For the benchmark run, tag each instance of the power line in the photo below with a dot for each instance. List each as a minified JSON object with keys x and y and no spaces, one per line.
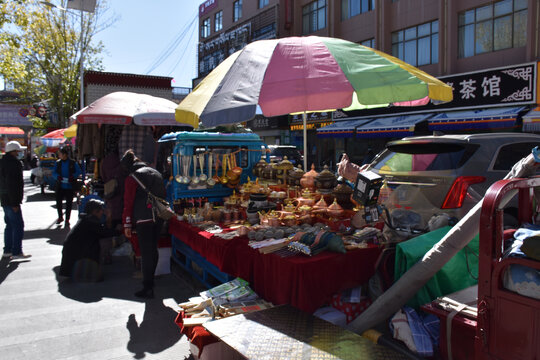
{"x":172,"y":46}
{"x":184,"y":52}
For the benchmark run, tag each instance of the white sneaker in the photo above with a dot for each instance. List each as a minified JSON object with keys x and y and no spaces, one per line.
{"x":6,"y":255}
{"x":21,"y":256}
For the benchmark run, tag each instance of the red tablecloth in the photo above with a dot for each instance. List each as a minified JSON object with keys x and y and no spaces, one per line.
{"x":198,"y":335}
{"x":216,"y":250}
{"x":306,"y":283}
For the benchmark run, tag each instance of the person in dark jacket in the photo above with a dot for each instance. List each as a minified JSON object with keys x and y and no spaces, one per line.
{"x":137,"y":214}
{"x":65,"y":171}
{"x":11,"y":197}
{"x":81,"y":251}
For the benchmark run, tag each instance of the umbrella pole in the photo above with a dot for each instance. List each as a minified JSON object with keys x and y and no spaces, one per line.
{"x":304,"y":121}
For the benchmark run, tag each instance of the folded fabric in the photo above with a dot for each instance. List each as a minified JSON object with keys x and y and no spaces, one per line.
{"x":531,"y":247}
{"x":401,"y":330}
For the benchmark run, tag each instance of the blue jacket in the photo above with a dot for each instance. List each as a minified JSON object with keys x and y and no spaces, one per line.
{"x":65,"y":172}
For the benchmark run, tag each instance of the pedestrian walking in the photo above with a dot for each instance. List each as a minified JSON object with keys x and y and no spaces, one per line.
{"x":11,"y":197}
{"x":81,"y":251}
{"x":137,"y":215}
{"x":66,"y":171}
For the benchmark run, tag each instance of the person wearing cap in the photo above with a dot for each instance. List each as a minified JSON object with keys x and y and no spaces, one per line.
{"x":81,"y":251}
{"x":65,"y":171}
{"x":11,"y":197}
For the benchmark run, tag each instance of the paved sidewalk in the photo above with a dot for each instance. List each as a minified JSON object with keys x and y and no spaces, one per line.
{"x":43,"y":319}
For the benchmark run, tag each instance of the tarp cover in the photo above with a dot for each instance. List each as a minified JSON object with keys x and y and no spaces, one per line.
{"x":458,"y":273}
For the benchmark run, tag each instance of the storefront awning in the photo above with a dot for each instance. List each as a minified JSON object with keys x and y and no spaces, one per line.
{"x":342,"y":129}
{"x":493,"y":118}
{"x":531,"y":120}
{"x":393,"y":126}
{"x":11,"y":131}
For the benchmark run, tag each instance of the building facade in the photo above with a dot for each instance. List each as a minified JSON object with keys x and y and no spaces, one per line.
{"x":445,"y":38}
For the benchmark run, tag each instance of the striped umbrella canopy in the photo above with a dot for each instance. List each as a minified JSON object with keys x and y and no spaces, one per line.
{"x":306,"y":74}
{"x":124,"y":108}
{"x":54,"y":138}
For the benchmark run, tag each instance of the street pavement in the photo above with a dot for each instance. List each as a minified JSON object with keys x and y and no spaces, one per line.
{"x":44,"y":318}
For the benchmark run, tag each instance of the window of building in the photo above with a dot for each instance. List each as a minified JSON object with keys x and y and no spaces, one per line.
{"x":237,"y":10}
{"x":205,"y":28}
{"x":314,"y":16}
{"x":496,"y":26}
{"x":263,"y":3}
{"x":350,"y":8}
{"x":369,"y":43}
{"x":218,"y":21}
{"x":417,"y":45}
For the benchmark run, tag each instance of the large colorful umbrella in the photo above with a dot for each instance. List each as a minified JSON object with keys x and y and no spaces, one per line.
{"x":123,"y":108}
{"x":306,"y":74}
{"x":298,"y":74}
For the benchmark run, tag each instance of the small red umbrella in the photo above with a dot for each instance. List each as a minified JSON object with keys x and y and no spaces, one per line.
{"x":10,"y":130}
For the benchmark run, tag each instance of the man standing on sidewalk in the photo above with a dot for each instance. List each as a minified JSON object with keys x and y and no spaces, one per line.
{"x":11,"y":197}
{"x":66,"y":171}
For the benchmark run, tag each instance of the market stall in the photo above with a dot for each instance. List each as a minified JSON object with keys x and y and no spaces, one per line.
{"x":299,"y":75}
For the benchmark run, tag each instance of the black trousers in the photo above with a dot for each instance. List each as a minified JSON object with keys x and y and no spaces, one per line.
{"x":148,"y":235}
{"x":62,"y":194}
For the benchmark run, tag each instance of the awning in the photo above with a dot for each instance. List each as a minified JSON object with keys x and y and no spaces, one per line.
{"x":493,"y":118}
{"x":11,"y":131}
{"x":393,"y":126}
{"x":344,"y":128}
{"x":531,"y":120}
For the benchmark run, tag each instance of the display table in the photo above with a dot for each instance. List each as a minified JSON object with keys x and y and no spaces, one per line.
{"x":284,"y":332}
{"x":304,"y":282}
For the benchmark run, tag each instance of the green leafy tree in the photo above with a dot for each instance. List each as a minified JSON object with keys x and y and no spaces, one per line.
{"x":41,"y":47}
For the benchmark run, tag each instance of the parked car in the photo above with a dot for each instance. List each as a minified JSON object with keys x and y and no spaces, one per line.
{"x":278,"y":152}
{"x":449,"y":173}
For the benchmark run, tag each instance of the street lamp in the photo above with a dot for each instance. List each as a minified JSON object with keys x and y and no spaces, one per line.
{"x":82,"y":5}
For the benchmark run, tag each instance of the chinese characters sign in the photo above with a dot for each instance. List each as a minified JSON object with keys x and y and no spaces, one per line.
{"x":207,"y":6}
{"x":510,"y":85}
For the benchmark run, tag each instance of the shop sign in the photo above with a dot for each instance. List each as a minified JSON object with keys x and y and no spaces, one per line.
{"x":264,"y":123}
{"x":309,"y":126}
{"x":503,"y":86}
{"x":207,"y":6}
{"x":312,"y":117}
{"x":14,"y":115}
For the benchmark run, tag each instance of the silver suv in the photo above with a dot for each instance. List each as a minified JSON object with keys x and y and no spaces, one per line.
{"x":449,"y":173}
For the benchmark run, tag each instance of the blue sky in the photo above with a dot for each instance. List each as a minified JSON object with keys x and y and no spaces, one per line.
{"x":153,"y":38}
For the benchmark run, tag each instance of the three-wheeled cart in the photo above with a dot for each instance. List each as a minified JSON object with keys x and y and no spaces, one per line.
{"x":506,"y":324}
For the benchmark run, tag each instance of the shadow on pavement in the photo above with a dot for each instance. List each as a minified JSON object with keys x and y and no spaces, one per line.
{"x":7,"y":267}
{"x":40,"y":197}
{"x":119,"y":283}
{"x":157,"y":331}
{"x":53,"y":234}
